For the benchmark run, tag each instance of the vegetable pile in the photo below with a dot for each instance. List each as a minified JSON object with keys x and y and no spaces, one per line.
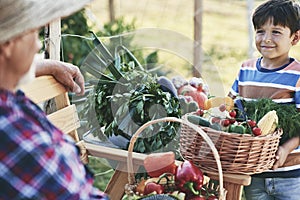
{"x":220,"y":114}
{"x":127,"y":96}
{"x":288,"y":116}
{"x":185,"y":181}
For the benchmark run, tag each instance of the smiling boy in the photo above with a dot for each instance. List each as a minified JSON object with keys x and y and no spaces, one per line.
{"x":274,"y":75}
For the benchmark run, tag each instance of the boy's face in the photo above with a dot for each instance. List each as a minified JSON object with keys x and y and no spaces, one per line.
{"x":274,"y":41}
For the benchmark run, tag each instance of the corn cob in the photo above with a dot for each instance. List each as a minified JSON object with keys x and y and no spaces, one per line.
{"x":217,"y":101}
{"x":268,"y":123}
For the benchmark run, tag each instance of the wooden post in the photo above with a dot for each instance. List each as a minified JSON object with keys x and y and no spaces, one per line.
{"x":111,"y":10}
{"x":198,"y":54}
{"x":52,"y":38}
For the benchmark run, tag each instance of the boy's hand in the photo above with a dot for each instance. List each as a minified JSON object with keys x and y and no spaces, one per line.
{"x":281,"y":156}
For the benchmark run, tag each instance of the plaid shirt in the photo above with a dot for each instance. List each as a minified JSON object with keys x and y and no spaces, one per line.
{"x":38,"y":161}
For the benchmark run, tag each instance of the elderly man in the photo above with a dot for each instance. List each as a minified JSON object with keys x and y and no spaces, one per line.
{"x":37,"y":161}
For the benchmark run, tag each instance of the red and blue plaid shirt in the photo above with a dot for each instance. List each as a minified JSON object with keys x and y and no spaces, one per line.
{"x":38,"y":161}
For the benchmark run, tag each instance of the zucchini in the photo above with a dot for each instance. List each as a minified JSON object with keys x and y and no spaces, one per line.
{"x":237,"y":129}
{"x":216,"y":126}
{"x":198,"y":120}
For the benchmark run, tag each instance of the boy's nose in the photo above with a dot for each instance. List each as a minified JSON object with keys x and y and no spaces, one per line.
{"x":267,"y":38}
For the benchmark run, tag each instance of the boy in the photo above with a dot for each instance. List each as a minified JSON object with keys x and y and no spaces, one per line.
{"x":275,"y":75}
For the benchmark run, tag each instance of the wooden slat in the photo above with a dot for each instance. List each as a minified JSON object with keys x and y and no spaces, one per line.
{"x":43,"y":88}
{"x":114,"y":154}
{"x":65,"y":119}
{"x":239,"y":179}
{"x":138,"y":159}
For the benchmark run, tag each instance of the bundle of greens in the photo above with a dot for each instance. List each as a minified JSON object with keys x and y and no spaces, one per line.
{"x":127,"y":96}
{"x":288,"y":116}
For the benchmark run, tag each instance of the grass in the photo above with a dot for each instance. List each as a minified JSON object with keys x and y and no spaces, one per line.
{"x":225,"y":38}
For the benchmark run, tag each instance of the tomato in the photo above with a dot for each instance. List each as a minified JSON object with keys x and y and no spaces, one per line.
{"x":212,"y":197}
{"x":222,"y":107}
{"x":225,"y":122}
{"x":232,"y":113}
{"x":215,"y":120}
{"x":200,"y":112}
{"x":251,"y":123}
{"x":256,"y":131}
{"x":232,"y":120}
{"x":158,"y":163}
{"x":153,"y":187}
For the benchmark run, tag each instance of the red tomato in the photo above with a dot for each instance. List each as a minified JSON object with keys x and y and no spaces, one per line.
{"x":222,"y":107}
{"x":225,"y":122}
{"x":215,"y":120}
{"x":251,"y":123}
{"x":256,"y":131}
{"x":200,"y":112}
{"x":232,"y":113}
{"x":158,"y":163}
{"x":153,"y":187}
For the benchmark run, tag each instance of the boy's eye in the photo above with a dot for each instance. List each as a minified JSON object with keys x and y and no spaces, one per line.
{"x":259,"y":31}
{"x":276,"y":32}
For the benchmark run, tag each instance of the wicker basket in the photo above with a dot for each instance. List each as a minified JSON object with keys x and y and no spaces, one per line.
{"x":239,"y":154}
{"x":129,"y":188}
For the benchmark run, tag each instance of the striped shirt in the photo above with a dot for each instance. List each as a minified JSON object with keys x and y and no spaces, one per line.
{"x":38,"y":161}
{"x":282,"y":85}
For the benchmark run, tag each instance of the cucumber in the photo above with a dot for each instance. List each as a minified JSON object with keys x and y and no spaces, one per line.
{"x":192,"y":106}
{"x":237,"y":129}
{"x":198,"y":120}
{"x":216,"y":126}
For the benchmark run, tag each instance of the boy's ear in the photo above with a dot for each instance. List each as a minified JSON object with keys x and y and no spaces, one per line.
{"x":296,"y":37}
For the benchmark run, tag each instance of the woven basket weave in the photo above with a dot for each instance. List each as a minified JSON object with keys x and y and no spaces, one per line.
{"x":129,"y":188}
{"x":239,"y":154}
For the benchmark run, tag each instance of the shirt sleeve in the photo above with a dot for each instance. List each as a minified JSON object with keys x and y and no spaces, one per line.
{"x":297,"y":94}
{"x":38,"y":165}
{"x":63,"y":171}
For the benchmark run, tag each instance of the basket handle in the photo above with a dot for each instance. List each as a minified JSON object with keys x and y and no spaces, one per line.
{"x":131,"y":178}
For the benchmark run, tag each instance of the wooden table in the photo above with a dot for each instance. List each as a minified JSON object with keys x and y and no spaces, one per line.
{"x":233,"y":183}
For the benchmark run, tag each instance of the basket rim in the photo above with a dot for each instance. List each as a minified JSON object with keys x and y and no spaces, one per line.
{"x":277,"y":133}
{"x":131,"y":178}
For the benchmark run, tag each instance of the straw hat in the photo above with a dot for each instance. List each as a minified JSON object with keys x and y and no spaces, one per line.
{"x":18,"y":16}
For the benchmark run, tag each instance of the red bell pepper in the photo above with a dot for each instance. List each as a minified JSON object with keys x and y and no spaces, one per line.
{"x":189,"y":178}
{"x":197,"y":198}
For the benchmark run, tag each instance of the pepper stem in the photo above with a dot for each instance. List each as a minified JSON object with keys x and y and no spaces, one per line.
{"x":190,"y":186}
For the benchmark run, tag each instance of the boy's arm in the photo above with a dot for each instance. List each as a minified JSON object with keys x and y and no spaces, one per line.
{"x":284,"y":150}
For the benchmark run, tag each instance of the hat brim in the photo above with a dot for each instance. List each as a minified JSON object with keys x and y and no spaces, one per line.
{"x":24,"y":15}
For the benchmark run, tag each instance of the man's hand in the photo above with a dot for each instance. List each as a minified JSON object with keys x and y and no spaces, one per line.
{"x":66,"y":73}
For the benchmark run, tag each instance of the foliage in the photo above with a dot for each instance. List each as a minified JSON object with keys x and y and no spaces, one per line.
{"x":74,"y":49}
{"x":129,"y":96}
{"x":288,"y":116}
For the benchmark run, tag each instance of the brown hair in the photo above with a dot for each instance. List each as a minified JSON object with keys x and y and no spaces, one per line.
{"x":282,"y":12}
